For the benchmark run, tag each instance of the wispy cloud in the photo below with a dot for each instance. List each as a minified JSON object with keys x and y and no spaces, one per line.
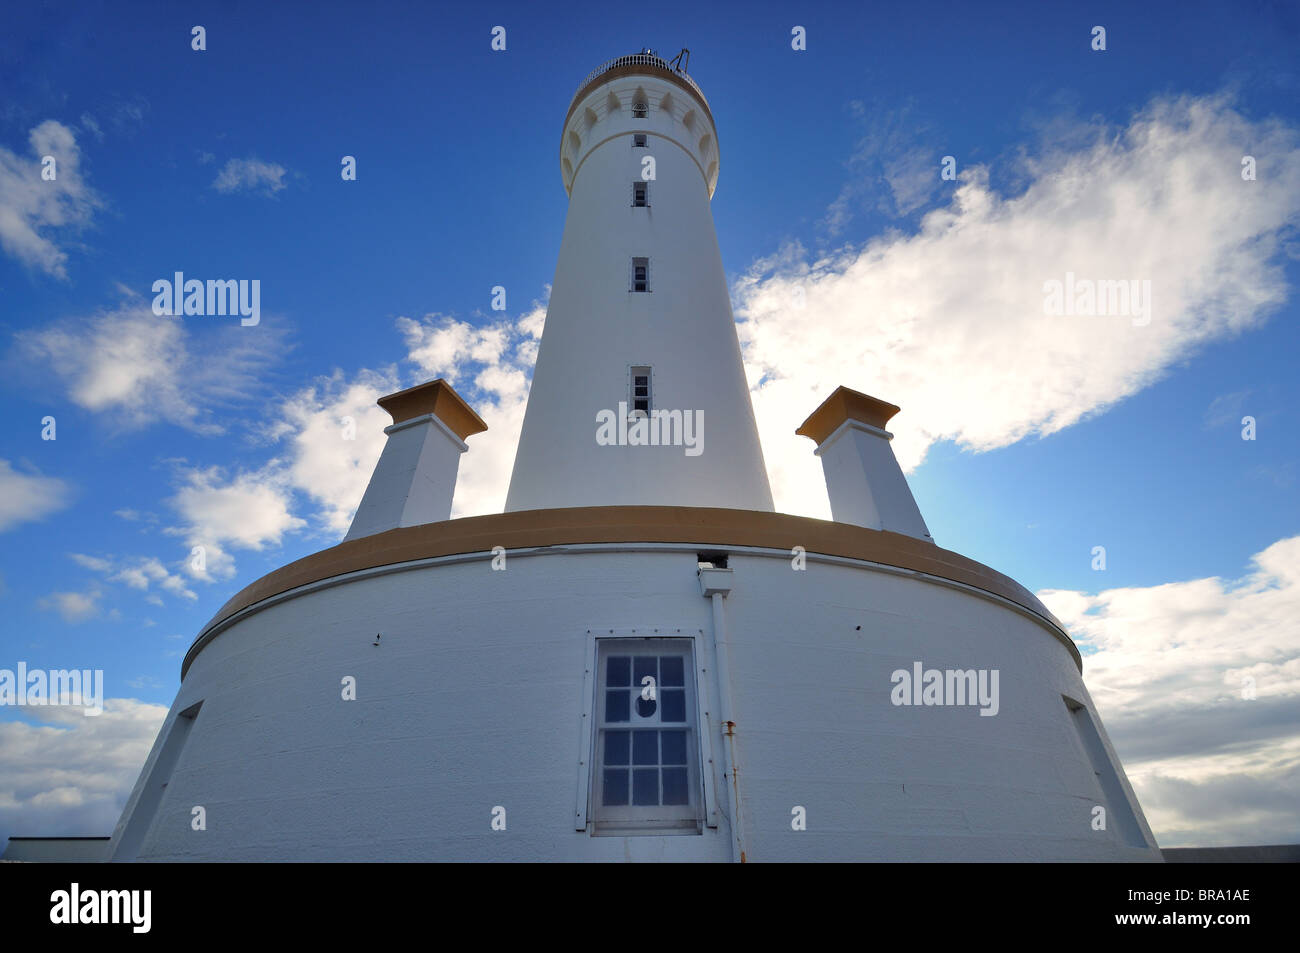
{"x":29,"y":497}
{"x":250,"y":175}
{"x":1226,"y":410}
{"x":893,"y":169}
{"x":136,"y":572}
{"x":73,"y":607}
{"x":139,"y":368}
{"x":33,"y":210}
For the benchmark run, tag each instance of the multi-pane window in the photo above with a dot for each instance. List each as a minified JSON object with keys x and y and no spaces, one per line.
{"x":638,"y":140}
{"x":640,"y":194}
{"x":640,"y":274}
{"x":640,"y":391}
{"x":640,"y":109}
{"x":647,"y":749}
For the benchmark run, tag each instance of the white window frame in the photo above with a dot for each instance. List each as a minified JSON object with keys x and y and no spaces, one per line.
{"x":631,"y":275}
{"x":703,"y":724}
{"x":632,"y":412}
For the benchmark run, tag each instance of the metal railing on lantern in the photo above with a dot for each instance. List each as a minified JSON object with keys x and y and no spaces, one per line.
{"x":642,"y":59}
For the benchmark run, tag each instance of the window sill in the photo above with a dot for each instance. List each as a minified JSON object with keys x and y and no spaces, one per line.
{"x":614,"y":829}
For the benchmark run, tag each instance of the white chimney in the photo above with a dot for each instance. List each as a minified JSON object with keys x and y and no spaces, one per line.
{"x":415,"y":477}
{"x":863,"y":479}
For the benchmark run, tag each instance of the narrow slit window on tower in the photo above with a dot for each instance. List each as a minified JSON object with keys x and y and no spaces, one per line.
{"x":1122,"y":819}
{"x":155,"y":786}
{"x":640,"y":194}
{"x":640,"y":274}
{"x":647,"y":747}
{"x":640,"y":391}
{"x":638,"y":140}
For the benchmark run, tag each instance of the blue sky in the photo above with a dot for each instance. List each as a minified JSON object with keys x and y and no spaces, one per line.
{"x":1029,"y":442}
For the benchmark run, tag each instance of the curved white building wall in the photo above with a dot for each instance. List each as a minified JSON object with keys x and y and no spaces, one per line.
{"x":598,"y":329}
{"x":474,"y":699}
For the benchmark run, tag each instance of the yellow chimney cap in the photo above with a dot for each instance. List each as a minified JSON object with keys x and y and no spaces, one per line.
{"x":437,"y":398}
{"x":846,"y":404}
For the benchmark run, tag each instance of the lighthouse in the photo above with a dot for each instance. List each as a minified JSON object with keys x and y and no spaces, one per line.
{"x":639,"y":659}
{"x":640,"y":341}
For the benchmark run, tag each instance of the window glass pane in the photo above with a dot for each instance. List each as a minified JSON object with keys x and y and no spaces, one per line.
{"x":645,"y":707}
{"x":615,"y":787}
{"x":618,"y":671}
{"x":616,"y":706}
{"x":645,"y":786}
{"x":645,"y":747}
{"x":645,"y":665}
{"x":674,"y":746}
{"x":675,"y":791}
{"x":674,"y":704}
{"x":672,"y":670}
{"x":617,"y":746}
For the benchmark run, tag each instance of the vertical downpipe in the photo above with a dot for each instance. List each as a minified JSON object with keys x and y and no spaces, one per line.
{"x":728,"y":718}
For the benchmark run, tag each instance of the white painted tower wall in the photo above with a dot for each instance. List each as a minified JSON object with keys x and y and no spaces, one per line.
{"x":597,"y":329}
{"x":474,"y":699}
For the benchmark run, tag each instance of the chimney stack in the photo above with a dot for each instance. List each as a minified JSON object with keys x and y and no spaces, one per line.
{"x":415,"y":477}
{"x":863,"y":479}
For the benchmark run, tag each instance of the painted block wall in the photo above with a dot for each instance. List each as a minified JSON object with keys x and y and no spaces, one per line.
{"x":473,"y":699}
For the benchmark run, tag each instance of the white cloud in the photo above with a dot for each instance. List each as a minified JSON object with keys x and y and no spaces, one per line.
{"x":489,"y":366}
{"x":1226,"y":410}
{"x":890,"y":168}
{"x":1167,"y":666}
{"x":249,"y":510}
{"x":28,"y":497}
{"x":31,"y":208}
{"x":137,"y":572}
{"x":247,"y":175}
{"x":949,"y":322}
{"x":69,"y":774}
{"x":142,"y":368}
{"x":73,"y":607}
{"x":97,"y":563}
{"x":89,"y":123}
{"x":324,"y":463}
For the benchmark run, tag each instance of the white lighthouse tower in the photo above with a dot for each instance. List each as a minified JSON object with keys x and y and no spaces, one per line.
{"x":639,"y":331}
{"x":638,"y":659}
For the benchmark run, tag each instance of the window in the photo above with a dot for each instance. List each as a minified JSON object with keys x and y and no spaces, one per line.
{"x":647,"y":749}
{"x":1122,"y":819}
{"x":640,"y":274}
{"x":640,"y":109}
{"x":638,"y":140}
{"x":640,"y":391}
{"x":155,"y":786}
{"x":640,"y":194}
